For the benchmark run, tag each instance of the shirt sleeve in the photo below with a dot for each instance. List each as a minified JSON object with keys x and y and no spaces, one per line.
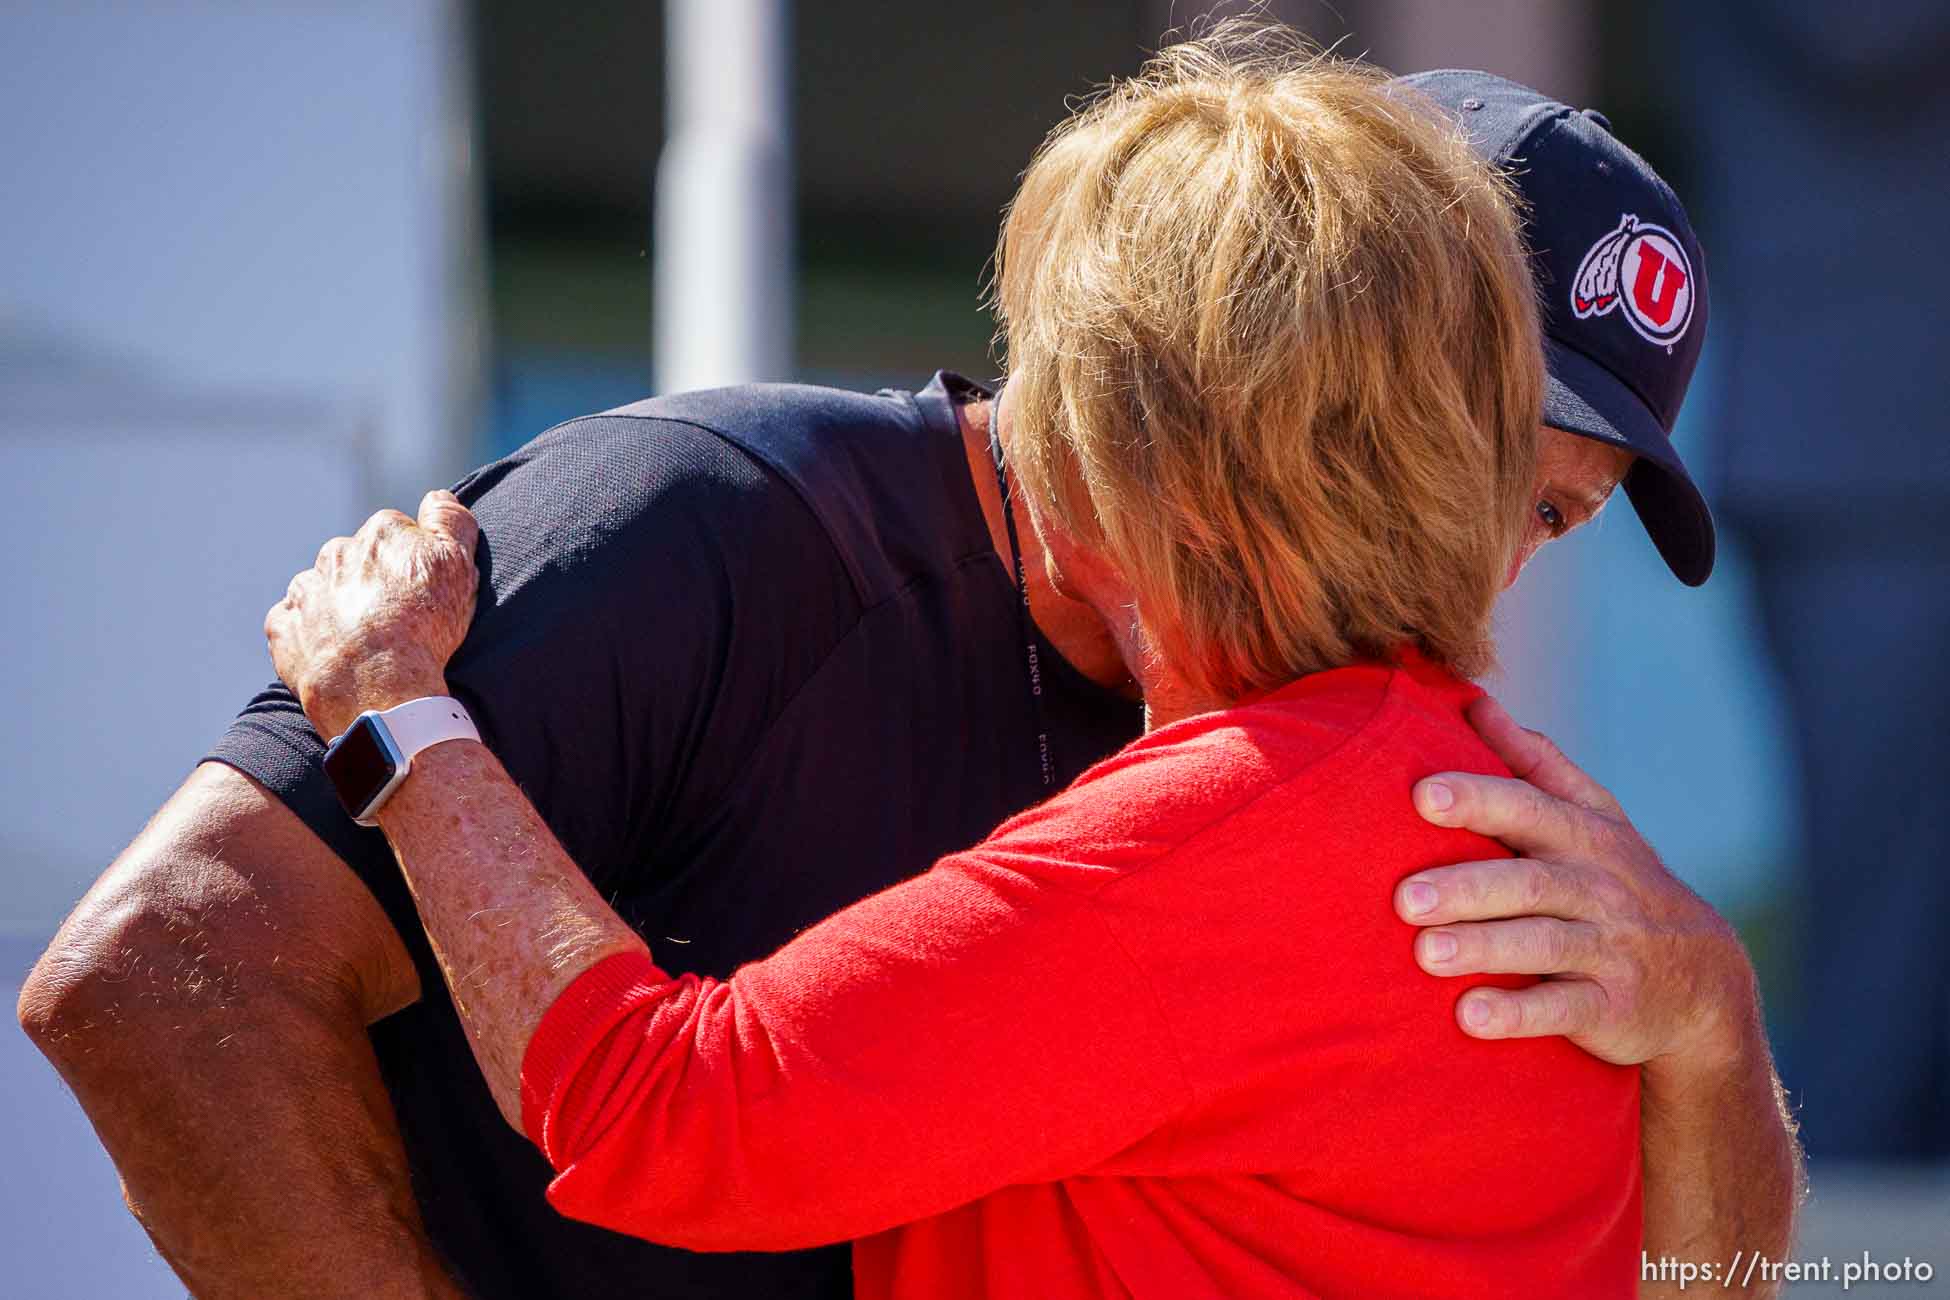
{"x":969,"y":1029}
{"x":618,"y":555}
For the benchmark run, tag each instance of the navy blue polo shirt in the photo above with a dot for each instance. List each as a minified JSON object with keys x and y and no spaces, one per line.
{"x":753,"y":656}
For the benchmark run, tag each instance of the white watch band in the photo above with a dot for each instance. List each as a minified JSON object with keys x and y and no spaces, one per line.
{"x":420,"y":724}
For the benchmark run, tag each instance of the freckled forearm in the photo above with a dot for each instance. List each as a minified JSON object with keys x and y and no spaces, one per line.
{"x":512,"y":920}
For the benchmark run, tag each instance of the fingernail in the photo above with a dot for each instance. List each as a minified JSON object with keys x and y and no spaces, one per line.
{"x":1439,"y":947}
{"x":1476,"y":1012}
{"x":1418,"y":897}
{"x":1438,"y":796}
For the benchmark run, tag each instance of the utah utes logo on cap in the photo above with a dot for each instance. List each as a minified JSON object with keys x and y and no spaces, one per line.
{"x":1648,"y":264}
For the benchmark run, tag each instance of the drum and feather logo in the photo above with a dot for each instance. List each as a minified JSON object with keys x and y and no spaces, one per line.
{"x":1641,"y":269}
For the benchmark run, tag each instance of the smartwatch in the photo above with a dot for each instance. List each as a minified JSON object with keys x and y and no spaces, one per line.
{"x":367,"y":763}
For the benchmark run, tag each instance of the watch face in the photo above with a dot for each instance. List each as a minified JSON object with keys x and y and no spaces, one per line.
{"x":361,"y":764}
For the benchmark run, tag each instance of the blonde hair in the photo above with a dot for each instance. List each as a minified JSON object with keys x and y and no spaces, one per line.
{"x":1272,"y":348}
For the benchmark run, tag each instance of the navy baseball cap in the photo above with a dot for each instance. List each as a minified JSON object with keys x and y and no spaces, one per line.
{"x":1621,"y":283}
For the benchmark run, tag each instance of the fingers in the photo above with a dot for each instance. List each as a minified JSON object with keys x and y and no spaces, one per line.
{"x":381,"y":523}
{"x":1530,"y":945}
{"x":332,"y":554}
{"x":1494,"y":891}
{"x":283,"y":617}
{"x":441,"y":512}
{"x":294,"y":592}
{"x":1554,"y":1007}
{"x":1535,"y":758}
{"x":1526,"y":818}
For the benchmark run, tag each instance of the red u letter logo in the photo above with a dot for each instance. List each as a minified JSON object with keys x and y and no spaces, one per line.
{"x":1655,"y":295}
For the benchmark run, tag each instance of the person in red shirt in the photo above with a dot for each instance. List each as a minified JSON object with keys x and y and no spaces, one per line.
{"x":1275,"y":381}
{"x":1088,"y":1057}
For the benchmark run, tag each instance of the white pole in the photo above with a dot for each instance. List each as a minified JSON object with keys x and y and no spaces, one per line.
{"x":723,"y":295}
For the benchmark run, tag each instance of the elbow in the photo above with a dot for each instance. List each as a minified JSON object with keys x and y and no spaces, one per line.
{"x":72,"y":993}
{"x":224,"y":917}
{"x":63,"y":1017}
{"x":135,"y":965}
{"x":39,"y":1009}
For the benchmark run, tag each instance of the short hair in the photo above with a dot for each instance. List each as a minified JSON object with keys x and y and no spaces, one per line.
{"x":1272,"y":348}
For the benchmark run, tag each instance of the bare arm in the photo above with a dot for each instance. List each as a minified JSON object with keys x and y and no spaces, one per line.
{"x":1722,"y":1167}
{"x":508,"y":940}
{"x":207,"y":1002}
{"x":373,"y":625}
{"x":1638,"y":970}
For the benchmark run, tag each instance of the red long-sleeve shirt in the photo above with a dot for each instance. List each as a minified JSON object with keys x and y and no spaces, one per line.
{"x":1162,"y":1035}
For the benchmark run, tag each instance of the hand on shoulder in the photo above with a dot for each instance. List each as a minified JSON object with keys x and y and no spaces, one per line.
{"x":373,"y":623}
{"x":1636,"y":967}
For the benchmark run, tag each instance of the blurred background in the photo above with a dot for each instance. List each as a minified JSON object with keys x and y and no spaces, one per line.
{"x":270,"y":266}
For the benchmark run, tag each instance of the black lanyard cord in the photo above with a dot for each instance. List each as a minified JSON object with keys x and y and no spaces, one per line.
{"x":1026,"y":622}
